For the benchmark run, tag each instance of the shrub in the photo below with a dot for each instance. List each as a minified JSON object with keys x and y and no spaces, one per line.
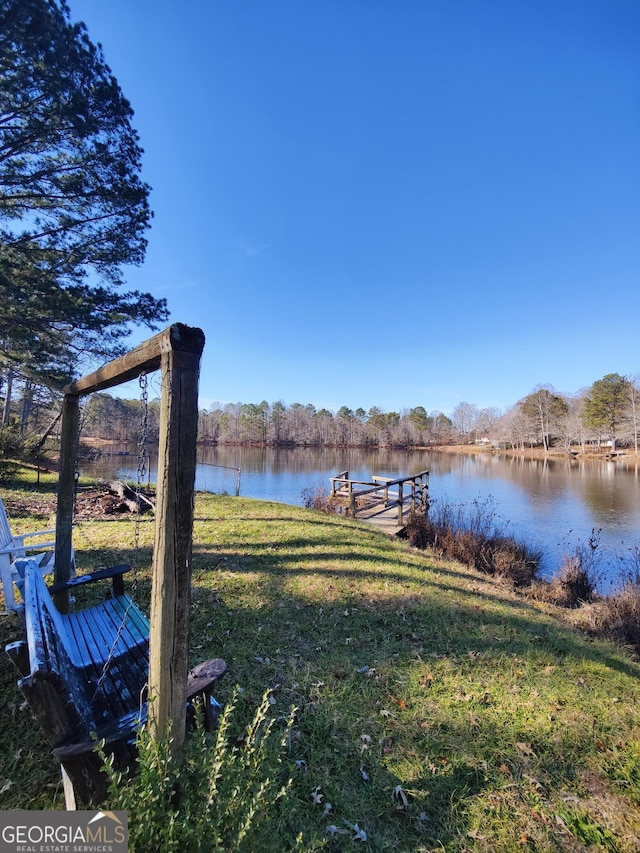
{"x":629,"y":567}
{"x":11,"y":448}
{"x":572,"y":586}
{"x":318,"y":499}
{"x":580,"y":573}
{"x":473,"y":534}
{"x":225,"y":794}
{"x":618,"y":616}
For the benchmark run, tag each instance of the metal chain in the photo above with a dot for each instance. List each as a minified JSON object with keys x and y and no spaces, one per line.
{"x":76,"y":478}
{"x":142,"y":472}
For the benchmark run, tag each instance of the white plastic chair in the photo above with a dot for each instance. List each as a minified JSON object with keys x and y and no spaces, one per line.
{"x":14,"y":547}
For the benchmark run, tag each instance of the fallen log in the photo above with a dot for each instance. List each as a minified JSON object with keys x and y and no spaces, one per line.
{"x":134,"y":501}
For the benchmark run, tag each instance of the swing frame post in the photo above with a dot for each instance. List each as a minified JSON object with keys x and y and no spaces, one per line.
{"x":66,"y":490}
{"x":176,"y":352}
{"x":170,"y":593}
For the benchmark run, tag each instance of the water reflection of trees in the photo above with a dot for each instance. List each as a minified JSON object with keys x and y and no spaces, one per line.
{"x":567,"y":492}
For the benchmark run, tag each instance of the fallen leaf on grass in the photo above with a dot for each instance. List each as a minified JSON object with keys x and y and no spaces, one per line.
{"x":387,"y":745}
{"x":333,"y":830}
{"x":541,"y":818}
{"x":526,"y":749}
{"x":473,"y":833}
{"x":317,"y":796}
{"x":570,"y":798}
{"x":400,"y":798}
{"x":360,"y":834}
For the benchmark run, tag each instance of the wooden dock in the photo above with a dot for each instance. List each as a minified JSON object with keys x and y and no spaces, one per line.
{"x":383,"y":502}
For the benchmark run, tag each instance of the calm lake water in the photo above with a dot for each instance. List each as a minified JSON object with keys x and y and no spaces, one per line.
{"x":553,"y":504}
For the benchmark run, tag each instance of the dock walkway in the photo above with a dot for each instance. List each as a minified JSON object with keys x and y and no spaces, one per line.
{"x":383,"y":502}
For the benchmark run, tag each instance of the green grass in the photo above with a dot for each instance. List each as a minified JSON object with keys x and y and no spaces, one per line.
{"x":437,"y":710}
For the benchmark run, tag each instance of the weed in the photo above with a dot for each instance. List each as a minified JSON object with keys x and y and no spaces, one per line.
{"x":586,"y":830}
{"x":225,"y":794}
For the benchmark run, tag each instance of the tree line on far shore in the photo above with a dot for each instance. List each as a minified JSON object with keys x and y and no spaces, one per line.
{"x":604,"y":416}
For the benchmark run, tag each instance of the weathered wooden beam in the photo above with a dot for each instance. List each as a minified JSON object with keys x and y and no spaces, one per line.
{"x":146,"y":357}
{"x":171,"y":585}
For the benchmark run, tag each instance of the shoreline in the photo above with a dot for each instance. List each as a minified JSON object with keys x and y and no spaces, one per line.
{"x":538,"y":453}
{"x":624,"y":454}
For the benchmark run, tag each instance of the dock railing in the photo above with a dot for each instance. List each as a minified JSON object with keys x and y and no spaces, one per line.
{"x":410,"y":494}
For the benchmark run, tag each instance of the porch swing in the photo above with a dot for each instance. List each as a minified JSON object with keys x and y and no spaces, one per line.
{"x":99,"y":673}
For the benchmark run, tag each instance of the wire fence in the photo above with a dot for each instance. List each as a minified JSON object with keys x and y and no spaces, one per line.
{"x":123,"y":465}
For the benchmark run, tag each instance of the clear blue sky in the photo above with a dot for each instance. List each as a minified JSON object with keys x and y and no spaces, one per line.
{"x":389,"y":202}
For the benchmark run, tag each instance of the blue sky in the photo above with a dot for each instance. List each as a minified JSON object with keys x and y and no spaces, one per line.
{"x":407,"y":203}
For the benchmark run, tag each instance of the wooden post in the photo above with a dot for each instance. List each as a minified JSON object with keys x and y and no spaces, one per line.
{"x":171,"y":586}
{"x":66,"y":494}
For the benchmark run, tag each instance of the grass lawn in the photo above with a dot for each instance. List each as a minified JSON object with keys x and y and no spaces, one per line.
{"x":437,"y":710}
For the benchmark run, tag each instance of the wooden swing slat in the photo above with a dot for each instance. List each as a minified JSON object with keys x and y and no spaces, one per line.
{"x":91,"y":630}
